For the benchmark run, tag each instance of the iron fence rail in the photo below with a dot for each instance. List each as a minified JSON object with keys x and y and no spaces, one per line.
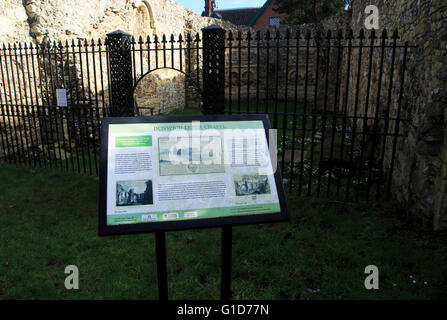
{"x":335,"y":99}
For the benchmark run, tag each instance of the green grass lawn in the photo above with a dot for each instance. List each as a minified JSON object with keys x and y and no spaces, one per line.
{"x":48,"y":220}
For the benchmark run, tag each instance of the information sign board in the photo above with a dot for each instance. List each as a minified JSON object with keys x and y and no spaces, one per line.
{"x":174,"y":173}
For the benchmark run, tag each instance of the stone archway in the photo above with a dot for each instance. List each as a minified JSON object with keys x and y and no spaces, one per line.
{"x":143,"y":23}
{"x":165,"y":90}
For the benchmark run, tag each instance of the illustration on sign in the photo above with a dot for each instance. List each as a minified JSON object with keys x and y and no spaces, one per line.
{"x":183,"y":171}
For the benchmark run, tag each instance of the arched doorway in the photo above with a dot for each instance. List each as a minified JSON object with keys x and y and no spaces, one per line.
{"x":162,"y":91}
{"x":143,"y":23}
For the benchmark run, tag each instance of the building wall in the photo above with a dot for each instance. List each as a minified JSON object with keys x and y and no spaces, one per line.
{"x":40,"y":21}
{"x":13,"y":21}
{"x":85,"y":19}
{"x":264,"y":19}
{"x":263,"y":76}
{"x":420,"y":171}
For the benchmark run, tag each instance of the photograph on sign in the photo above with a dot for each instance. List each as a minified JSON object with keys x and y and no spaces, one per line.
{"x":186,"y":170}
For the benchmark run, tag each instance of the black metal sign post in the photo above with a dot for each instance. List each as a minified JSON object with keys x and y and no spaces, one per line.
{"x":159,"y":227}
{"x":226,"y":263}
{"x":162,"y":274}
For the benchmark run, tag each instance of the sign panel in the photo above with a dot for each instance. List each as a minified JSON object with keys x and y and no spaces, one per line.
{"x":61,"y":97}
{"x":173,"y":173}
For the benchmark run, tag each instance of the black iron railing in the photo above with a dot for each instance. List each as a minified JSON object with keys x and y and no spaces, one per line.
{"x":335,"y":99}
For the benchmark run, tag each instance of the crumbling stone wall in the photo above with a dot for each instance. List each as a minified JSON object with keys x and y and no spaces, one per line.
{"x":420,"y":169}
{"x":265,"y":73}
{"x":161,"y":92}
{"x":85,"y":19}
{"x":421,"y":164}
{"x":49,"y":21}
{"x":14,"y":21}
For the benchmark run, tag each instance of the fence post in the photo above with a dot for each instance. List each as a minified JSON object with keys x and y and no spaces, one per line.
{"x":120,"y":71}
{"x":213,"y":70}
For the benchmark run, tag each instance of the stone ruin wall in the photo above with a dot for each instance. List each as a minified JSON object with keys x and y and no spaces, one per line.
{"x":55,"y":20}
{"x":421,"y":165}
{"x":420,"y":168}
{"x":43,"y":21}
{"x":257,"y":73}
{"x":37,"y":22}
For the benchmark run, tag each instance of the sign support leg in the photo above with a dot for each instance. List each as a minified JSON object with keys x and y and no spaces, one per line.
{"x":226,"y":263}
{"x":162,"y":274}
